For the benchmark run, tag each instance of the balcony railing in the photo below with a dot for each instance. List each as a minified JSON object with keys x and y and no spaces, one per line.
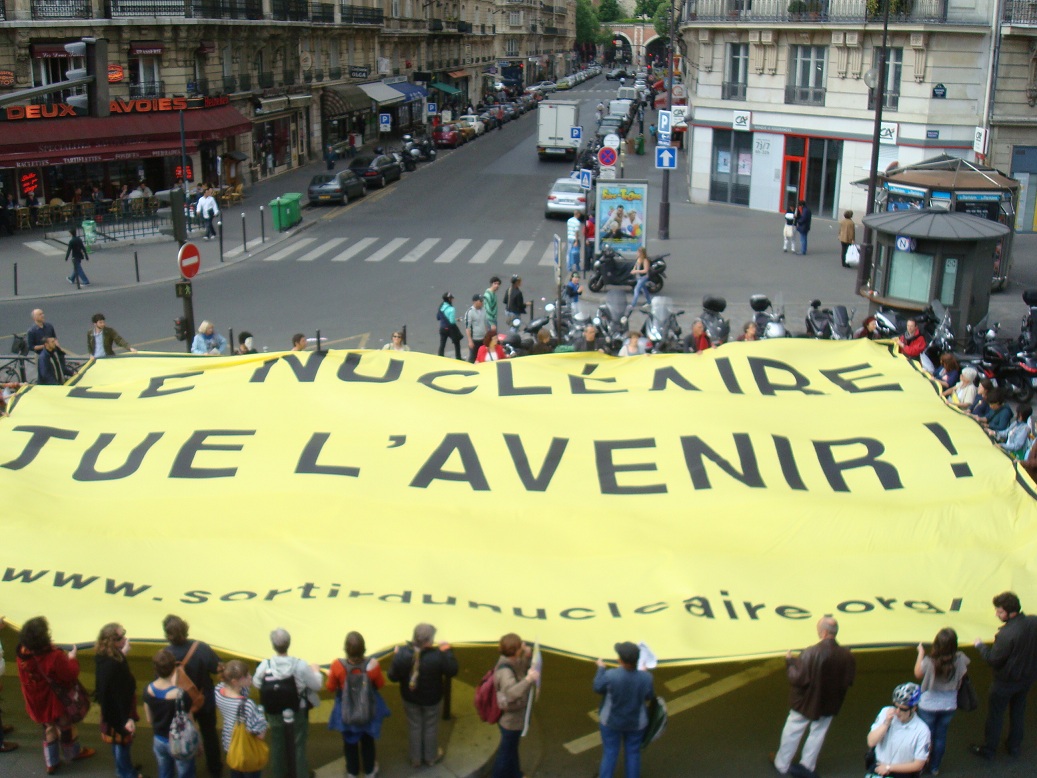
{"x":353,"y":14}
{"x":804,"y":95}
{"x":265,"y":80}
{"x":829,"y":11}
{"x":200,"y":87}
{"x":121,"y":9}
{"x":230,"y":85}
{"x":335,"y":73}
{"x":289,"y":78}
{"x":289,"y":10}
{"x":1022,"y":12}
{"x":322,"y":13}
{"x":3,"y":11}
{"x":225,"y":9}
{"x":245,"y":82}
{"x":435,"y":25}
{"x":148,"y":89}
{"x":733,"y":90}
{"x":61,"y":9}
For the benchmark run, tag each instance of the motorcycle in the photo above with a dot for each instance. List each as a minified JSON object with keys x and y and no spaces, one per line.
{"x":1015,"y":373}
{"x":610,"y":269}
{"x":406,"y":161}
{"x":770,"y":323}
{"x":980,"y":335}
{"x":661,"y":328}
{"x":612,"y":320}
{"x":829,"y":323}
{"x":1028,"y":332}
{"x":518,"y":340}
{"x":419,"y":149}
{"x":718,"y":329}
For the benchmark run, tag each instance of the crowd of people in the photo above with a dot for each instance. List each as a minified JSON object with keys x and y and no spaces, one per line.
{"x":906,"y":738}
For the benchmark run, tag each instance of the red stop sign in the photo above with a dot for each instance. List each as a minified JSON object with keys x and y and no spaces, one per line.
{"x":189,"y":259}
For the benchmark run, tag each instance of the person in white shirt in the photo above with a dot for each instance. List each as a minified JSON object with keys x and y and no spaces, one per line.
{"x":900,"y":738}
{"x":633,"y":346}
{"x":208,"y":210}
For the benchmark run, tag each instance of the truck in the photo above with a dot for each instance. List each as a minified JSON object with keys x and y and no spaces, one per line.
{"x":555,"y":120}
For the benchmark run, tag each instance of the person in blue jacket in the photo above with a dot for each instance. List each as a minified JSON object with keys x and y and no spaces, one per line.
{"x":623,"y":713}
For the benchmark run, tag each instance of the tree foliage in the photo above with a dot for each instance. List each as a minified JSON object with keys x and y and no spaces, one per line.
{"x":588,"y":28}
{"x":609,"y":11}
{"x":647,"y":7}
{"x":661,"y":19}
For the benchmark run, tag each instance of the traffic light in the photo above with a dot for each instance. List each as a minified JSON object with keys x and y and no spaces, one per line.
{"x":95,"y":51}
{"x":180,"y":328}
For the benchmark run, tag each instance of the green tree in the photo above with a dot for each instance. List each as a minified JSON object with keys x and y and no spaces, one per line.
{"x":646,"y":7}
{"x":588,"y":27}
{"x":609,"y":11}
{"x":661,"y":19}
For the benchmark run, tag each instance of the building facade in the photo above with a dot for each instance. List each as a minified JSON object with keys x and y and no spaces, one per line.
{"x":262,"y":85}
{"x":782,"y":109}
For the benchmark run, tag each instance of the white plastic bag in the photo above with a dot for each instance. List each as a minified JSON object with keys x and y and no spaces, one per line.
{"x":853,"y":255}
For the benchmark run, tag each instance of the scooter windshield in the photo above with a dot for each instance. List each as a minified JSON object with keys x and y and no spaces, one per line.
{"x":660,"y":308}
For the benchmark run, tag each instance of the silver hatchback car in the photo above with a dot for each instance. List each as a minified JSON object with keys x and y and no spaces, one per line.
{"x":566,"y":197}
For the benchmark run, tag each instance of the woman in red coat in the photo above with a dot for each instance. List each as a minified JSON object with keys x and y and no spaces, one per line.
{"x":490,"y":350}
{"x":41,"y":663}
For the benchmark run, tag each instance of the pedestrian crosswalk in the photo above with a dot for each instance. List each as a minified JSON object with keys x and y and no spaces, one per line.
{"x":437,"y":251}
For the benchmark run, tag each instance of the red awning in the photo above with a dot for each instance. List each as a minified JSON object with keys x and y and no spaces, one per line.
{"x":46,"y":137}
{"x":146,"y":48}
{"x":93,"y":153}
{"x":48,"y":50}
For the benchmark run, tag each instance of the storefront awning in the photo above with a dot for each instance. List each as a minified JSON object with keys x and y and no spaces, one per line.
{"x":87,"y":153}
{"x":381,"y":93}
{"x":146,"y":48}
{"x":458,"y":74}
{"x":71,"y":137}
{"x":411,"y":92}
{"x":445,"y":88}
{"x":340,"y":100}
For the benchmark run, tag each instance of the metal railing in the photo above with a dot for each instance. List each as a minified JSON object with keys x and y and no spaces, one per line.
{"x":265,"y":80}
{"x":354,"y":14}
{"x":289,"y":78}
{"x":198,"y":87}
{"x":3,"y":11}
{"x":148,"y":89}
{"x":61,"y":9}
{"x":322,"y":13}
{"x":1023,"y":12}
{"x":812,"y":11}
{"x":245,"y":82}
{"x":230,"y":84}
{"x":733,"y":90}
{"x":225,"y":9}
{"x":804,"y":95}
{"x":121,"y":9}
{"x":289,"y":10}
{"x":335,"y":73}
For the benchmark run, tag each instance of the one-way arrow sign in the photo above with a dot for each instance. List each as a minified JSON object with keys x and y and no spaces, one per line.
{"x":665,"y":158}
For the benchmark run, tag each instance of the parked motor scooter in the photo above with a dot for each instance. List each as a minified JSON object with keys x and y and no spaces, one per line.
{"x":829,"y":323}
{"x":1016,"y":373}
{"x":610,"y":269}
{"x":612,"y":320}
{"x":517,"y":341}
{"x":1028,"y":332}
{"x":420,"y":149}
{"x":718,"y":329}
{"x":662,"y":329}
{"x":770,"y":323}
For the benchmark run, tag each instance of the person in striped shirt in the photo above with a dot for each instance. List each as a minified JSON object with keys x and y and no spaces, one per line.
{"x":234,"y":705}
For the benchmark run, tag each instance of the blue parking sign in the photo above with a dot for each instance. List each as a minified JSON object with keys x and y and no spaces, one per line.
{"x":433,"y":109}
{"x":576,"y":133}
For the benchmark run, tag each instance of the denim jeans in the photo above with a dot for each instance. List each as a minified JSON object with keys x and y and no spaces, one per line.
{"x":938,"y":722}
{"x":168,"y":767}
{"x":611,"y":740}
{"x":802,"y":242}
{"x":123,"y":761}
{"x":77,"y":270}
{"x":507,"y":764}
{"x":641,"y":287}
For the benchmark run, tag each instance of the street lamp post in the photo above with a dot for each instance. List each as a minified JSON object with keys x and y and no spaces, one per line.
{"x":664,"y":200}
{"x":864,"y":268}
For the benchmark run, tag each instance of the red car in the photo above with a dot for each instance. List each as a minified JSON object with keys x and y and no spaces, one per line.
{"x":447,"y":135}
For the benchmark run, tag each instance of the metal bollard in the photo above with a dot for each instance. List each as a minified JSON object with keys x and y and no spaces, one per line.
{"x":289,"y":743}
{"x":15,"y":279}
{"x":220,"y":225}
{"x":262,"y":224}
{"x":136,"y":266}
{"x":244,"y":241}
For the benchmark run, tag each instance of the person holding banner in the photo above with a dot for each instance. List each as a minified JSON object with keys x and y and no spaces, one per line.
{"x":514,"y":679}
{"x":623,"y":713}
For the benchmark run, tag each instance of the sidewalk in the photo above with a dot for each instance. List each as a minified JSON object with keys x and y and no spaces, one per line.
{"x":42,"y":271}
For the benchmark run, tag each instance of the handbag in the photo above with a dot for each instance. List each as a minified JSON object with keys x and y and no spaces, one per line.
{"x":75,"y":699}
{"x":853,"y":255}
{"x":968,"y":700}
{"x":247,"y":753}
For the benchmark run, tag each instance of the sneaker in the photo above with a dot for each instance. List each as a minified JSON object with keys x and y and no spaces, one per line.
{"x":69,"y":279}
{"x":84,"y":753}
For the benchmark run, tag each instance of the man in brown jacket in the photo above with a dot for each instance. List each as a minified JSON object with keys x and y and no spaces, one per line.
{"x":847,"y":233}
{"x":818,"y":682}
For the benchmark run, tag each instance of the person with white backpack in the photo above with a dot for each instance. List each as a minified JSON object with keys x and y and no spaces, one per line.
{"x":166,"y":708}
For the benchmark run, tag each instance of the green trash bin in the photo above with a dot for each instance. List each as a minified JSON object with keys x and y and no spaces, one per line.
{"x":277,"y":214}
{"x":293,"y":208}
{"x":89,"y":233}
{"x":640,"y":145}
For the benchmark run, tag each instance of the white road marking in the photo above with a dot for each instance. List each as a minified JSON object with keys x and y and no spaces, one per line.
{"x":238,"y":250}
{"x":289,"y":250}
{"x":322,"y":249}
{"x":519,"y":252}
{"x":482,"y":256}
{"x":452,"y":251}
{"x":548,"y":258}
{"x":44,"y":248}
{"x":420,"y":250}
{"x":386,"y":250}
{"x":355,"y":249}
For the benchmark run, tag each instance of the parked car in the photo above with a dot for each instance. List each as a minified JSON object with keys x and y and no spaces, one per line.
{"x":448,"y":134}
{"x":564,"y":83}
{"x":615,"y":74}
{"x":475,"y":121}
{"x":376,"y":170}
{"x":544,"y":86}
{"x":489,"y":118}
{"x":467,"y":130}
{"x":335,"y":187}
{"x":566,"y":197}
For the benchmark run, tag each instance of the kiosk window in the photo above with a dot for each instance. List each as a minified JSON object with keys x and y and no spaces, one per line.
{"x":950,"y":280}
{"x":910,"y":276}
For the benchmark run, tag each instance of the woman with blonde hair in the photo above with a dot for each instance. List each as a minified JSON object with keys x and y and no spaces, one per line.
{"x":117,"y":694}
{"x":234,"y":705}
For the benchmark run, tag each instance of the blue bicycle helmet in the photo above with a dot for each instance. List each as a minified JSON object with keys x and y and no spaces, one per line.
{"x":907,"y":694}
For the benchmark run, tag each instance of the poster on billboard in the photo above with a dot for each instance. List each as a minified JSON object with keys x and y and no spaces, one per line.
{"x":621,"y":215}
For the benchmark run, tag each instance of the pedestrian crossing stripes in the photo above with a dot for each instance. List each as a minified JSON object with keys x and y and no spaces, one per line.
{"x":353,"y":250}
{"x":322,"y":249}
{"x":453,"y":250}
{"x":287,"y":252}
{"x":386,"y":250}
{"x":420,"y":250}
{"x":45,"y":248}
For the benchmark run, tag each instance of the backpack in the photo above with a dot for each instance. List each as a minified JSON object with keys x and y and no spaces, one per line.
{"x":358,"y":700}
{"x":486,"y":704}
{"x":441,"y":318}
{"x":184,"y":682}
{"x":183,"y":734}
{"x":278,"y":694}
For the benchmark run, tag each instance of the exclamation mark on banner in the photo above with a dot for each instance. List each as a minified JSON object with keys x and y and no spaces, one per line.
{"x":960,"y":469}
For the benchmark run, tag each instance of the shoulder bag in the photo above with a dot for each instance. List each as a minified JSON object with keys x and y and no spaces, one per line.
{"x":74,"y":698}
{"x":968,"y":700}
{"x":247,"y":753}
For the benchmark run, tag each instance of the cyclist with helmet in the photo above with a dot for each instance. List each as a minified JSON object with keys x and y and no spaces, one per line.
{"x":900,"y":738}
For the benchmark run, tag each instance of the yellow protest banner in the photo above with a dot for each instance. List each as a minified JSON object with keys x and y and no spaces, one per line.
{"x":711,"y":505}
